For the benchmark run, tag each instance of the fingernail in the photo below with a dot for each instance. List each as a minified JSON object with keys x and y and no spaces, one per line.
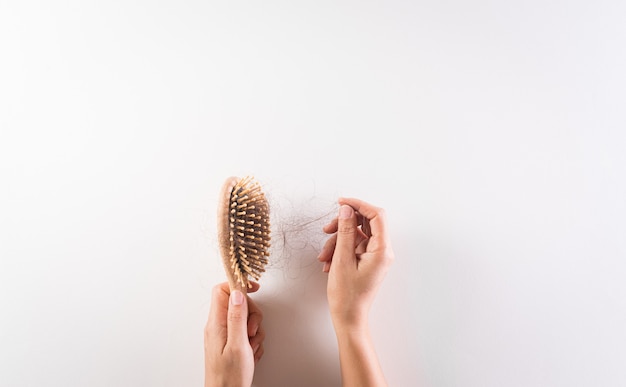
{"x":345,"y":212}
{"x":236,"y":297}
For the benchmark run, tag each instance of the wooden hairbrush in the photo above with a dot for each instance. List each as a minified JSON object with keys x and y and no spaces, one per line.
{"x":243,"y":230}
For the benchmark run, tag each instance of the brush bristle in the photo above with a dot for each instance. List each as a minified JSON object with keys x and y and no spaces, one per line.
{"x":249,"y":229}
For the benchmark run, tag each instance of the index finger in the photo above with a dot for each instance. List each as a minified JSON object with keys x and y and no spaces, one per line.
{"x":219,"y":303}
{"x":215,"y":330}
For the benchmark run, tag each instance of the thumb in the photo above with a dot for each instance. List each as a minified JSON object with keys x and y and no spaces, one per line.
{"x":346,"y":234}
{"x":237,"y":319}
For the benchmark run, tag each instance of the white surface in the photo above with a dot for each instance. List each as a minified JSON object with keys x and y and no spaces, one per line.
{"x":492,"y":132}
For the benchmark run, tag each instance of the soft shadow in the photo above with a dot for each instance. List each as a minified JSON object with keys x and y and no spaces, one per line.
{"x":300,"y":345}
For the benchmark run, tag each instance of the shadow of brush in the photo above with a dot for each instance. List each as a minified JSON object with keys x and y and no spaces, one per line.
{"x":300,"y":346}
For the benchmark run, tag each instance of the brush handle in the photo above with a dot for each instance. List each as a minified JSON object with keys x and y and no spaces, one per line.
{"x":223,"y":232}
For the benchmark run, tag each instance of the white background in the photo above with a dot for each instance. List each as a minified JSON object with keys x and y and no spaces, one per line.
{"x":492,"y":132}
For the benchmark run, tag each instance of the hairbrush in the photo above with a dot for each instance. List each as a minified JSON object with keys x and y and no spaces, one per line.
{"x":243,"y":228}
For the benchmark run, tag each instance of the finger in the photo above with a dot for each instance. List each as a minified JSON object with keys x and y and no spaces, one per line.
{"x":254,"y":288}
{"x":346,"y":235}
{"x":360,"y":237}
{"x":365,"y":227}
{"x":259,"y":354}
{"x":329,"y":248}
{"x":237,"y":319}
{"x":257,"y":341}
{"x":255,"y":317}
{"x":219,"y":301}
{"x":331,"y":227}
{"x":219,"y":305}
{"x":361,"y":248}
{"x":215,"y":330}
{"x":379,"y":237}
{"x":326,"y":268}
{"x":326,"y":254}
{"x":376,"y":216}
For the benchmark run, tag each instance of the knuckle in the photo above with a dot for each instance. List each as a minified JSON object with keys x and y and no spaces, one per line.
{"x":216,"y":291}
{"x":236,"y":317}
{"x":379,"y":213}
{"x":345,"y":228}
{"x":236,"y":351}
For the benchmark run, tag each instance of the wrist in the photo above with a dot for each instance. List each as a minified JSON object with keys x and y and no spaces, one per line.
{"x":346,"y":328}
{"x":355,"y":318}
{"x":224,"y":383}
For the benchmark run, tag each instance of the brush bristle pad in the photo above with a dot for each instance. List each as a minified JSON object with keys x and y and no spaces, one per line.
{"x":249,"y":229}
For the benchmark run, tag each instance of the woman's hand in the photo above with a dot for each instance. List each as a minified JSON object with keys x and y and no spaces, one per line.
{"x":233,"y":338}
{"x":357,"y":257}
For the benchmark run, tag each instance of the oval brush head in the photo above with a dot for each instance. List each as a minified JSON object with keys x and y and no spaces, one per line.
{"x":243,"y":231}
